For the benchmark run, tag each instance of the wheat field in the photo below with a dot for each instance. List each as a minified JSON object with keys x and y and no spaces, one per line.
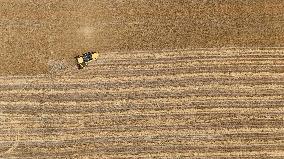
{"x":195,"y":103}
{"x":37,"y":34}
{"x":175,"y":79}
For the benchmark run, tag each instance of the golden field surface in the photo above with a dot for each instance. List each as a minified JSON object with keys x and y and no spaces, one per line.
{"x":177,"y":79}
{"x":37,"y":34}
{"x":202,"y":103}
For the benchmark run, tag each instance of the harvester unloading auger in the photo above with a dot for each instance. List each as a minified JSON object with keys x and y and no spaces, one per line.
{"x":82,"y":61}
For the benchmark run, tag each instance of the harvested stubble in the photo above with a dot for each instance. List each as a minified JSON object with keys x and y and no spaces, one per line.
{"x":201,"y":103}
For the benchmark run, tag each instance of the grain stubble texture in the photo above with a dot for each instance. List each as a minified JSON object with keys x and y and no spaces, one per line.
{"x":136,"y":101}
{"x":201,"y":103}
{"x":33,"y":33}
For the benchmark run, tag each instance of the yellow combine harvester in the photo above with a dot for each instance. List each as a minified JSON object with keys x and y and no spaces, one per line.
{"x":82,"y":61}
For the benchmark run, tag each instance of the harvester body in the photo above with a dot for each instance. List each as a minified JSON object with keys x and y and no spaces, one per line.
{"x":82,"y":61}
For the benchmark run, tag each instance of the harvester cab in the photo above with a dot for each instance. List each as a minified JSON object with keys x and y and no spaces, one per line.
{"x":82,"y":61}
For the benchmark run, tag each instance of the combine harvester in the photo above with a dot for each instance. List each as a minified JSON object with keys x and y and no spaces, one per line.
{"x":82,"y":61}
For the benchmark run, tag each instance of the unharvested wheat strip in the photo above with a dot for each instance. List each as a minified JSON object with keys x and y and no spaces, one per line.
{"x":136,"y":125}
{"x":175,"y":111}
{"x":139,"y":84}
{"x":235,"y":61}
{"x":75,"y":79}
{"x":184,"y":59}
{"x":186,"y":69}
{"x":148,"y":105}
{"x":137,"y":107}
{"x":240,"y":111}
{"x":187,"y":111}
{"x":210,"y":139}
{"x":200,"y":55}
{"x":189,"y":66}
{"x":187,"y":100}
{"x":200,"y":126}
{"x":109,"y":123}
{"x":165,"y":121}
{"x":156,"y":83}
{"x":141,"y":123}
{"x":217,"y":75}
{"x":188,"y":56}
{"x":208,"y":49}
{"x":121,"y":150}
{"x":53,"y":145}
{"x":266,"y":154}
{"x":206,"y":140}
{"x":271,"y":153}
{"x":128,"y":149}
{"x":137,"y":153}
{"x":217,"y":140}
{"x":195,"y":52}
{"x":132,"y":82}
{"x":181,"y":72}
{"x":142,"y":101}
{"x":108,"y":96}
{"x":199,"y":155}
{"x":196,"y":64}
{"x":172,"y":71}
{"x":160,"y":90}
{"x":211,"y":134}
{"x":71,"y":132}
{"x":173,"y":148}
{"x":78,"y":131}
{"x":155,"y":60}
{"x":111,"y":129}
{"x":123,"y":124}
